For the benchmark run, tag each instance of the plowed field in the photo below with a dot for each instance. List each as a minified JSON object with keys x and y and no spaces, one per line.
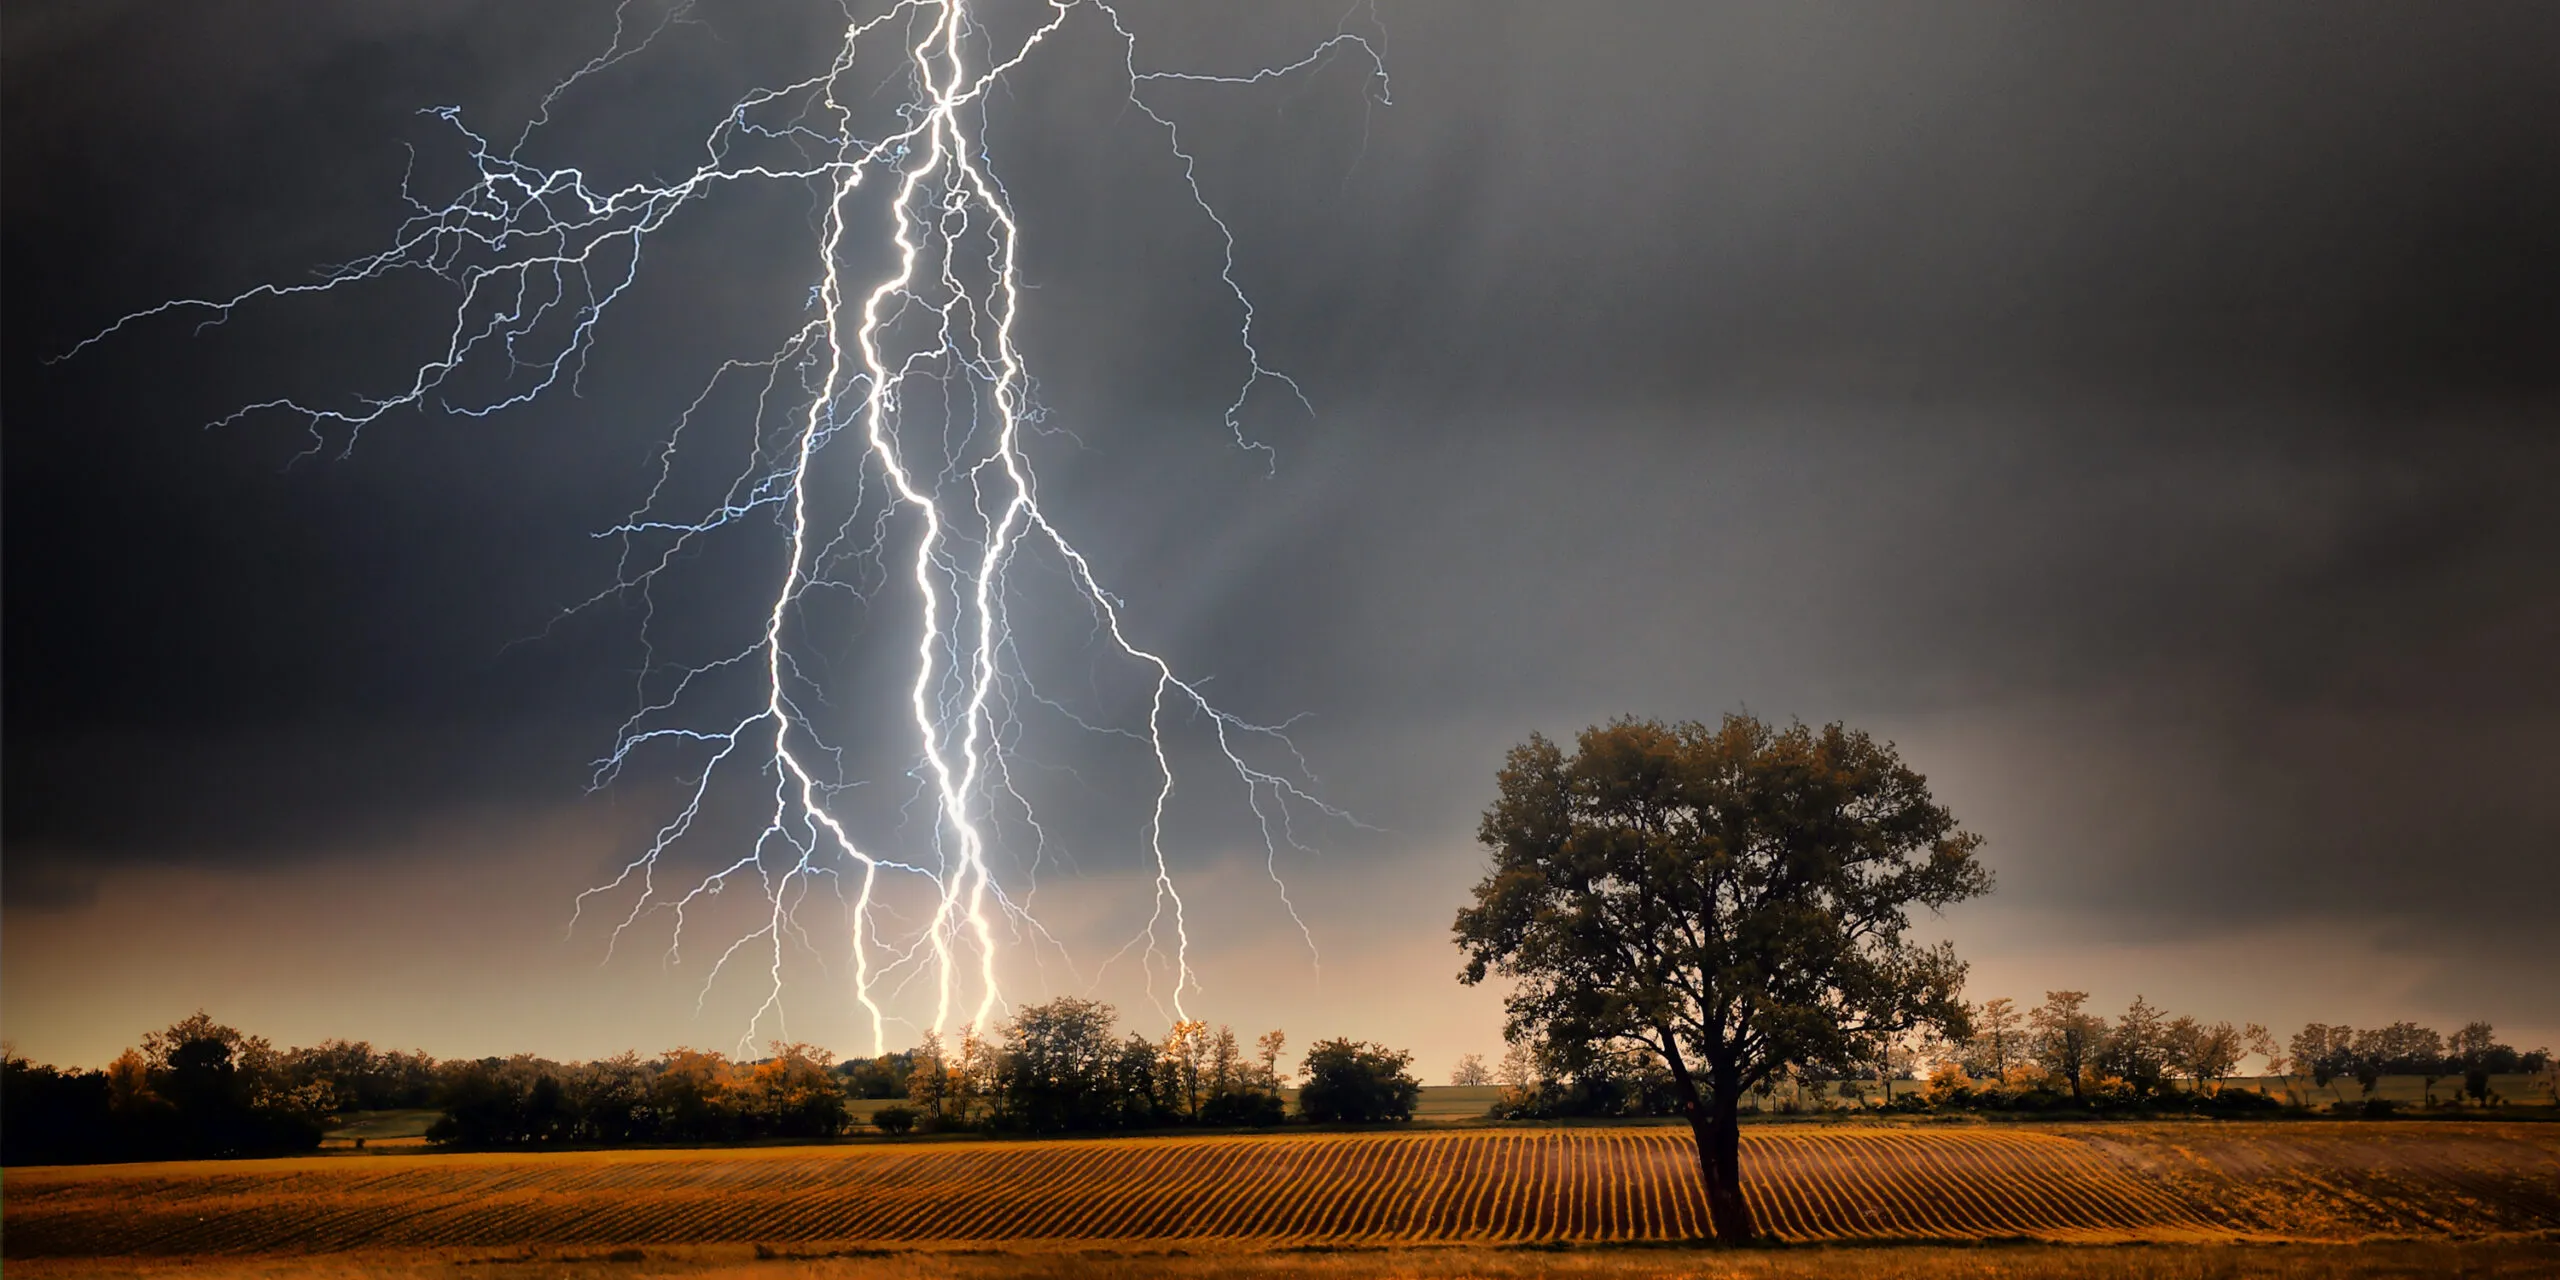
{"x":2084,"y":1183}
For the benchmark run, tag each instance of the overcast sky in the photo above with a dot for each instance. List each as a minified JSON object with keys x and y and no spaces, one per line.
{"x":2144,"y":417}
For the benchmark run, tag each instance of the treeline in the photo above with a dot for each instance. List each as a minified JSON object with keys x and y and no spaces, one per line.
{"x":2328,"y":1054}
{"x":1060,"y":1067}
{"x":202,"y":1089}
{"x":2058,"y":1056}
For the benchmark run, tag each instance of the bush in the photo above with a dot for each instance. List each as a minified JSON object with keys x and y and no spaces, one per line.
{"x":1949,"y":1087}
{"x":1244,"y":1107}
{"x":894,"y":1120}
{"x":2241,"y":1101}
{"x":2109,"y":1093}
{"x":1358,"y":1082}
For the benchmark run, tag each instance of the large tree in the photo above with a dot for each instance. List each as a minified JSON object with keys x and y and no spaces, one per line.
{"x":2068,"y":1037}
{"x":1735,"y":898}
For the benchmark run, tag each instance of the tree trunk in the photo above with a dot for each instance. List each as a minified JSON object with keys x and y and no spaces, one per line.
{"x":1717,"y":1124}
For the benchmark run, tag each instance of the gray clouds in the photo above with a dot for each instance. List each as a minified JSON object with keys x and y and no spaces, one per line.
{"x":2144,"y":415}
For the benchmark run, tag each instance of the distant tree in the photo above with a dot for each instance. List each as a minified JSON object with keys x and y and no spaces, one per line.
{"x":52,"y":1116}
{"x":1267,"y":1048}
{"x":694,"y":1096}
{"x":1357,"y":1082}
{"x":1226,"y":1062}
{"x":2256,"y":1039}
{"x":2475,"y":1053}
{"x":2401,"y":1049}
{"x":929,"y":1084}
{"x":2325,"y":1053}
{"x":1183,"y":1070}
{"x":1057,"y":1066}
{"x":611,"y":1096}
{"x":793,"y":1093}
{"x":357,"y":1077}
{"x":2183,"y":1039}
{"x":408,"y":1078}
{"x":229,"y":1091}
{"x":1136,"y":1096}
{"x":129,"y":1092}
{"x":1616,"y":1079}
{"x":547,"y":1116}
{"x":1242,"y":1091}
{"x":2210,"y":1052}
{"x":1470,"y":1072}
{"x":1888,"y":1058}
{"x":2137,"y":1049}
{"x":1998,"y":1039}
{"x":881,"y":1077}
{"x":975,"y":1084}
{"x":894,"y":1119}
{"x":1733,"y":899}
{"x":2067,"y":1038}
{"x":1522,"y":1077}
{"x":481,"y":1108}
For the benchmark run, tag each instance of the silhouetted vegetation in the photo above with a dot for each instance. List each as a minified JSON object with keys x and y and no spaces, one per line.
{"x":1729,"y":899}
{"x":684,"y":1096}
{"x":196,"y":1089}
{"x":202,"y":1089}
{"x":1061,"y":1068}
{"x":1355,"y":1082}
{"x":1546,"y":1082}
{"x":2060,"y":1059}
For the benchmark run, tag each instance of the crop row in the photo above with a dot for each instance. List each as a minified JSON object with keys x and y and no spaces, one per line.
{"x":1487,"y":1186}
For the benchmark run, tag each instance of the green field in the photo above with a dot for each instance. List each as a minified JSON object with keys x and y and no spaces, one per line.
{"x":375,"y":1128}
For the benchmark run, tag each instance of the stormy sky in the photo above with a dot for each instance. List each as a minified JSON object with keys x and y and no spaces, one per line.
{"x":2144,"y":417}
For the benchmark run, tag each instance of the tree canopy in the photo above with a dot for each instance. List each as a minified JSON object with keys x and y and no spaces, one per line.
{"x":1735,"y":898}
{"x":1356,"y":1082}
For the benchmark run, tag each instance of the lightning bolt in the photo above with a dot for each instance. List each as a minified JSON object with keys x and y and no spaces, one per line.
{"x":919,"y":370}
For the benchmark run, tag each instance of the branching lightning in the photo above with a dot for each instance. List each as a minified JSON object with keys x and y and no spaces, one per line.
{"x":907,"y":355}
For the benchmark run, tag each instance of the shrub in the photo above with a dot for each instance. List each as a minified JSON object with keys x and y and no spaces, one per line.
{"x":1244,"y":1107}
{"x":894,"y":1120}
{"x":1949,"y":1087}
{"x":1352,"y":1080}
{"x":2109,"y":1093}
{"x":2241,"y":1101}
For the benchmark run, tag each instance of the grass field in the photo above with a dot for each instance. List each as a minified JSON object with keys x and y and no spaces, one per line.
{"x":381,"y":1128}
{"x":2086,"y":1183}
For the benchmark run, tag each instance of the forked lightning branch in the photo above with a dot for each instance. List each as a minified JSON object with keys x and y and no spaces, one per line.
{"x":908,"y":353}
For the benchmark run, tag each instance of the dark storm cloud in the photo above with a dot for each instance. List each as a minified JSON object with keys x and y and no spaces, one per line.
{"x":2168,"y":390}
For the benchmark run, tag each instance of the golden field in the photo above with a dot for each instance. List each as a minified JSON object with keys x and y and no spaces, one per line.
{"x":2383,"y":1260}
{"x":1627,"y":1185}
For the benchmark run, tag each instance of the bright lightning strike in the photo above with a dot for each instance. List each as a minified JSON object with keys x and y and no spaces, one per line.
{"x":907,"y":356}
